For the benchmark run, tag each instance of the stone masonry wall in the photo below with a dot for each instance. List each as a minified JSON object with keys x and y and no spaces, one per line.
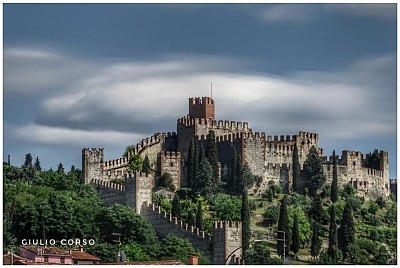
{"x":171,"y":162}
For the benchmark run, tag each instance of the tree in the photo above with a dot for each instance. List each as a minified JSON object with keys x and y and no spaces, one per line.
{"x":296,"y":169}
{"x":346,"y":232}
{"x":212,"y":154}
{"x":315,"y":243}
{"x":60,"y":168}
{"x":105,"y":251}
{"x":233,"y":171}
{"x":271,"y":215}
{"x":174,"y":247}
{"x":373,"y":207}
{"x":227,"y":207}
{"x":146,"y":168}
{"x":191,"y":167}
{"x":191,"y":219}
{"x":246,"y":178}
{"x":205,"y":182}
{"x":333,"y":240}
{"x":295,"y":237}
{"x":260,"y":254}
{"x":167,"y":181}
{"x":245,"y":217}
{"x":135,"y":163}
{"x":283,"y":230}
{"x":316,"y":209}
{"x":176,"y":207}
{"x":334,"y":186}
{"x":304,"y":226}
{"x":37,"y":164}
{"x":315,"y":172}
{"x":121,"y":219}
{"x":28,"y":160}
{"x":129,"y":149}
{"x":199,"y":216}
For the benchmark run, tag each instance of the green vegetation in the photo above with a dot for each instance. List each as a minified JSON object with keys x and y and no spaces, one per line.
{"x":135,"y":162}
{"x":326,"y":225}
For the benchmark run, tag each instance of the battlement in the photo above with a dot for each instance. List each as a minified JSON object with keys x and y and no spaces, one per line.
{"x":227,"y":224}
{"x":201,"y":100}
{"x":93,"y":150}
{"x":308,"y":135}
{"x":107,"y":184}
{"x":140,"y":146}
{"x":189,"y":121}
{"x":135,"y":174}
{"x":271,"y":166}
{"x":226,"y":137}
{"x":372,"y":172}
{"x":179,"y":224}
{"x":203,"y":107}
{"x":170,"y":155}
{"x":281,"y":138}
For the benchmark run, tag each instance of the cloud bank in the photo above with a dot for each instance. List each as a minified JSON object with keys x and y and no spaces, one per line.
{"x":83,"y":102}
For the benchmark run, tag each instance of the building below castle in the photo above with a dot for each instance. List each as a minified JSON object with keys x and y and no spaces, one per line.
{"x":269,"y":157}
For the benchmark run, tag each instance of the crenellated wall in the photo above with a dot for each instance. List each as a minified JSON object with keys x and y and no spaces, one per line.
{"x":226,"y":237}
{"x":138,"y":189}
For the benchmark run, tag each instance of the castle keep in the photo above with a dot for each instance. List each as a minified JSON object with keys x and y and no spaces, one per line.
{"x":269,"y":158}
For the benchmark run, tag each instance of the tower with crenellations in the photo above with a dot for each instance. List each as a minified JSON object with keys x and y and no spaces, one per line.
{"x":269,"y":157}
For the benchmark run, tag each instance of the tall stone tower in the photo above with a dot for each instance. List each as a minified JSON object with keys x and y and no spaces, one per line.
{"x":203,"y":107}
{"x":92,"y":159}
{"x":227,"y":242}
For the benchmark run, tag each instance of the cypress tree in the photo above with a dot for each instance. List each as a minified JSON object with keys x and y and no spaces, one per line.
{"x":245,"y":218}
{"x":205,"y":182}
{"x":334,"y":186}
{"x":146,"y":165}
{"x":283,"y":226}
{"x":233,"y":171}
{"x":296,"y":170}
{"x":316,"y":209}
{"x":191,"y":220}
{"x":176,"y":207}
{"x":191,"y":163}
{"x":295,"y":236}
{"x":37,"y":164}
{"x":315,"y":172}
{"x":28,"y":160}
{"x":315,"y":245}
{"x":196,"y":159}
{"x":199,"y":216}
{"x":346,"y":230}
{"x":333,"y":240}
{"x":212,"y":154}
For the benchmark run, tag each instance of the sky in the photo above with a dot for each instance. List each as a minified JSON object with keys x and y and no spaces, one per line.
{"x":109,"y":75}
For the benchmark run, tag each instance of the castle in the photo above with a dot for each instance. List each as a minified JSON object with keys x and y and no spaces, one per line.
{"x":269,"y":158}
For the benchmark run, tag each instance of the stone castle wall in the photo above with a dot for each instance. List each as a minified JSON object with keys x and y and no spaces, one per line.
{"x":226,"y":237}
{"x":171,"y":162}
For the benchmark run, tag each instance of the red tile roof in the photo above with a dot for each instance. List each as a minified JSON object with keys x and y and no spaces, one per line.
{"x":46,"y":250}
{"x":78,"y":255}
{"x":166,"y":262}
{"x":16,"y":259}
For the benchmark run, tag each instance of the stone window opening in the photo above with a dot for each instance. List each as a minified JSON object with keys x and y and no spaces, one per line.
{"x":172,"y":164}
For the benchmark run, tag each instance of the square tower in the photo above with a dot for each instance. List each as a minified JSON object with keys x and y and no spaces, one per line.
{"x":203,"y":107}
